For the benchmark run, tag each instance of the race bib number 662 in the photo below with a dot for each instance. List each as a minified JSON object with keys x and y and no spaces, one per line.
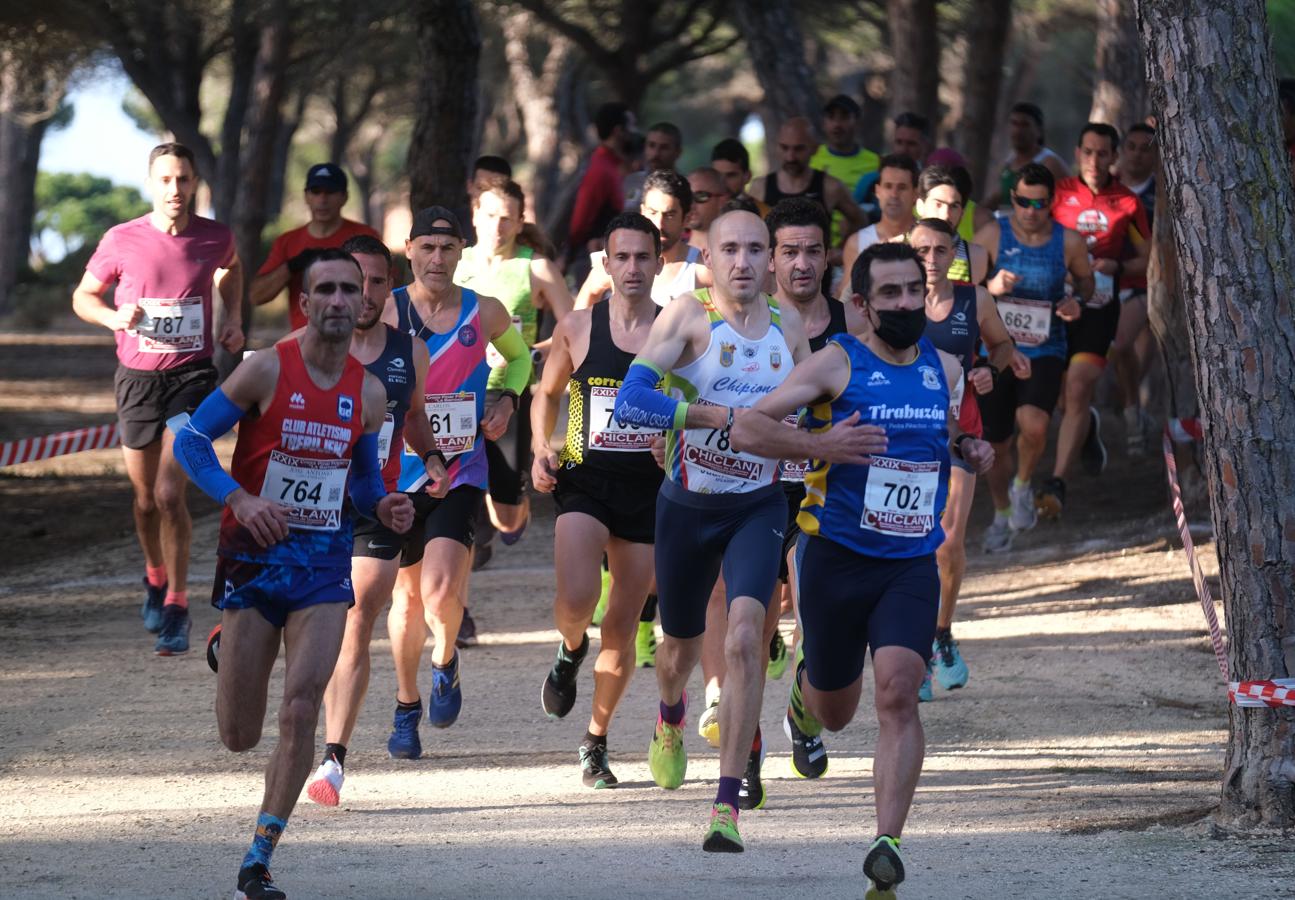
{"x":1029,"y":322}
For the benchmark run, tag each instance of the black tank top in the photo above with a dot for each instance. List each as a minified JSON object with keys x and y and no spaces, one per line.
{"x":595,"y":440}
{"x":772,"y":193}
{"x":835,"y":324}
{"x":958,"y":333}
{"x":394,"y":367}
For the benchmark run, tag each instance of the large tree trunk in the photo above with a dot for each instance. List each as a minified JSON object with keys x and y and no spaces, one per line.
{"x":989,"y":26}
{"x":1228,"y":180}
{"x":915,"y":46}
{"x":773,"y":39}
{"x":443,"y":143}
{"x":1119,"y":88}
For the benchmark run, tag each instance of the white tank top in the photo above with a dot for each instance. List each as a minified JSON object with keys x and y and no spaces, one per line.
{"x":684,"y":281}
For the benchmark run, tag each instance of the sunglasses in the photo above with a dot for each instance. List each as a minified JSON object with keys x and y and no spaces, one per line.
{"x":1029,"y":203}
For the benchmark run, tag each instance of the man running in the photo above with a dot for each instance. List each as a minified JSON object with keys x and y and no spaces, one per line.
{"x":165,"y":265}
{"x":733,"y":163}
{"x":1109,"y":217}
{"x":1031,"y":254}
{"x":717,"y":350}
{"x":604,"y":483}
{"x":896,"y":191}
{"x":942,"y":194}
{"x":284,"y":566}
{"x":709,"y":194}
{"x":400,"y":363}
{"x":842,"y":156}
{"x":1025,"y":134}
{"x":325,"y":196}
{"x":910,"y":137}
{"x":868,"y":574}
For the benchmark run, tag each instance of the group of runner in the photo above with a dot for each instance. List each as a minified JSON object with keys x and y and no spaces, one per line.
{"x":741,"y":413}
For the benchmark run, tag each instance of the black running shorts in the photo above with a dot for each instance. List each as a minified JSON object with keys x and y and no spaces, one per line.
{"x":452,"y":516}
{"x":626,"y":507}
{"x":146,"y":398}
{"x":1040,"y":390}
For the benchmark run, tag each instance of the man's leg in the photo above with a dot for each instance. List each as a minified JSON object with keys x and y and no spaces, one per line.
{"x":1129,"y":369}
{"x":1081,"y":379}
{"x":952,"y":555}
{"x":1000,"y":474}
{"x":408,"y":632}
{"x":746,"y":660}
{"x":1031,"y":440}
{"x":445,"y":561}
{"x":176,"y":526}
{"x":712,"y":661}
{"x":374,"y":579}
{"x":249,"y":644}
{"x":631,"y":564}
{"x":901,"y":745}
{"x":579,"y":539}
{"x":142,"y":468}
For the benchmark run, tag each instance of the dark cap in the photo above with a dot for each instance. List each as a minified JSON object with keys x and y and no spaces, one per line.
{"x":425,"y":223}
{"x":326,"y":176}
{"x":844,"y":103}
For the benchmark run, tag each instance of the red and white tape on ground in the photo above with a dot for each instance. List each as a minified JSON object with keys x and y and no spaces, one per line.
{"x":1280,"y":692}
{"x":61,"y":444}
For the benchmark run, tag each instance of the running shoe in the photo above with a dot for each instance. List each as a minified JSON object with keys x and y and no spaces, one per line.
{"x":1092,"y":455}
{"x":174,"y":636}
{"x":751,"y":794}
{"x":1051,"y":498}
{"x":883,"y":868}
{"x":255,"y":883}
{"x":777,"y":656}
{"x":151,"y":611}
{"x":950,"y":669}
{"x":559,"y":692}
{"x":404,"y":742}
{"x":721,"y":834}
{"x":511,"y":537}
{"x":1024,"y":516}
{"x":467,"y":636}
{"x":998,"y":536}
{"x":645,"y":646}
{"x":667,"y":757}
{"x":1135,"y":432}
{"x":708,"y":724}
{"x":925,"y":693}
{"x":601,"y":609}
{"x":594,"y":769}
{"x":325,"y":788}
{"x":447,"y":696}
{"x":808,"y":755}
{"x":481,"y":558}
{"x":213,"y":649}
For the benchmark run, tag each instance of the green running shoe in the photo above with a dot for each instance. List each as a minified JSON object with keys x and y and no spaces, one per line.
{"x":601,"y":609}
{"x":883,"y":868}
{"x":777,"y":656}
{"x":721,"y":834}
{"x":645,"y":646}
{"x":667,"y":758}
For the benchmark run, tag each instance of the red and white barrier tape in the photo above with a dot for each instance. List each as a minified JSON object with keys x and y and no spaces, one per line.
{"x":60,"y":444}
{"x":1280,"y":692}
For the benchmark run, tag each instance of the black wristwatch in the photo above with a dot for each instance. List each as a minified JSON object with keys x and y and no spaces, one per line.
{"x":436,"y":451}
{"x":509,"y":392}
{"x":957,"y":444}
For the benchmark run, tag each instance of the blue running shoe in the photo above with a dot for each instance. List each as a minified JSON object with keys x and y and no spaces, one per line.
{"x":924,"y":693}
{"x":404,"y":742}
{"x":447,"y":697}
{"x":174,"y":636}
{"x":950,"y":669}
{"x":151,"y":611}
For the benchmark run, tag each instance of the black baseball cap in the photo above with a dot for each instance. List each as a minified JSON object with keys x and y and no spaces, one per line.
{"x":425,"y":223}
{"x":844,"y":103}
{"x":326,"y":176}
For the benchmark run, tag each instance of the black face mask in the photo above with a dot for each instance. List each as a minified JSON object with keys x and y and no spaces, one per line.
{"x":901,"y":328}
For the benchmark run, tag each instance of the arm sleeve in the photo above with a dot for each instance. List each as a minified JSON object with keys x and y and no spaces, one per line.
{"x":517,"y":372}
{"x":638,"y":402}
{"x":193,"y":437}
{"x":366,"y":478}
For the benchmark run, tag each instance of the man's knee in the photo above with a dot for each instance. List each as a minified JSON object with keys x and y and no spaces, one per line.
{"x":896,"y":697}
{"x":239,"y":735}
{"x":298,"y":716}
{"x":744,"y":643}
{"x":170,"y":499}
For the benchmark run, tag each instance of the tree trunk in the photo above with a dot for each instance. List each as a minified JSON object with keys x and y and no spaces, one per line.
{"x":773,"y":39}
{"x":1119,"y":88}
{"x":282,"y":150}
{"x":1227,"y":176}
{"x":915,"y":46}
{"x":443,"y":143}
{"x":989,"y":26}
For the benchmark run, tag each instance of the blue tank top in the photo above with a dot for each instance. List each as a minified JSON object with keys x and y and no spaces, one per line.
{"x":892,"y":507}
{"x":394,"y":368}
{"x":958,"y":333}
{"x":1042,"y":277}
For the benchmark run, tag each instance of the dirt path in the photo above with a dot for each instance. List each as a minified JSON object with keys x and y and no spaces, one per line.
{"x":1080,"y":761}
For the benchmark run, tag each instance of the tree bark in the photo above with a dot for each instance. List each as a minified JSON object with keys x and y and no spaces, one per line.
{"x":915,"y":46}
{"x":443,"y":143}
{"x":776,"y":47}
{"x":1119,"y":87}
{"x":1228,"y":181}
{"x":989,"y":27}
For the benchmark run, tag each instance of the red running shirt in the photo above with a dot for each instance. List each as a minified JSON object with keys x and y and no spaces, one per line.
{"x":290,"y":243}
{"x":1110,"y":220}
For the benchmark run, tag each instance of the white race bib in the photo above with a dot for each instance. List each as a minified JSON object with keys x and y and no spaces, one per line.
{"x":454,"y":421}
{"x":900,"y":498}
{"x":493,"y":356}
{"x":171,"y":326}
{"x":384,"y":438}
{"x":955,"y":397}
{"x":605,"y":433}
{"x":312,"y":490}
{"x":1029,"y":322}
{"x":710,"y":451}
{"x":793,"y":469}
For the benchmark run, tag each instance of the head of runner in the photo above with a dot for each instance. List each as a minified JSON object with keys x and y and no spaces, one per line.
{"x":1140,"y":154}
{"x":326,"y":194}
{"x":841,"y":124}
{"x":796,"y":145}
{"x":731,"y":160}
{"x":633,"y":257}
{"x":662,"y":146}
{"x":434,"y":248}
{"x":172,"y":182}
{"x":911,"y":137}
{"x":797,"y":230}
{"x":1098,"y":148}
{"x":932,"y":239}
{"x":889,"y":288}
{"x":374,"y":260}
{"x":709,"y":194}
{"x":667,"y":199}
{"x":896,"y":189}
{"x":939,"y":195}
{"x":738,"y":255}
{"x":331,"y":297}
{"x":498,"y":217}
{"x":1032,"y":199}
{"x":1025,"y":129}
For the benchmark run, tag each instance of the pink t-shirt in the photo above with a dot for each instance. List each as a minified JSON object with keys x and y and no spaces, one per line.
{"x":170,"y":276}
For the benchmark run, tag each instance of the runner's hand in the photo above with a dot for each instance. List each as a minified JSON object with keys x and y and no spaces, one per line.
{"x":1069,"y":310}
{"x":1020,"y":365}
{"x":978,"y":454}
{"x":544,"y":472}
{"x":1002,"y":282}
{"x":495,"y":421}
{"x":266,"y":520}
{"x":396,"y":511}
{"x":849,"y":442}
{"x":231,"y":336}
{"x":126,"y":317}
{"x":982,"y":379}
{"x":438,"y":484}
{"x":658,"y":450}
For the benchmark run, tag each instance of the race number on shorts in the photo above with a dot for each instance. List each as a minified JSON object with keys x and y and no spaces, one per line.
{"x":454,"y":421}
{"x":311,"y":490}
{"x":605,"y":433}
{"x":171,"y":326}
{"x":900,"y":498}
{"x":1029,"y":322}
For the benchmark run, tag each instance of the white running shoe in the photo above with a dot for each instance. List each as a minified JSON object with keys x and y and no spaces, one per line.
{"x":1024,"y":516}
{"x":325,"y":788}
{"x":708,"y":724}
{"x":998,"y":537}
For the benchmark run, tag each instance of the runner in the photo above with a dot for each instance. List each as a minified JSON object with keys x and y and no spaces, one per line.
{"x":604,"y":482}
{"x":662,"y":146}
{"x":842,"y":156}
{"x":601,"y":192}
{"x":896,"y":191}
{"x":1139,"y":160}
{"x":942,"y":194}
{"x":455,"y":323}
{"x":910,"y":138}
{"x":283,"y":572}
{"x":717,"y":350}
{"x":1025,"y":134}
{"x":731,"y":160}
{"x":1031,"y":254}
{"x":400,"y":363}
{"x":870,"y":582}
{"x":709,"y":194}
{"x":958,"y":319}
{"x":163,"y":265}
{"x":1110,"y":219}
{"x":325,"y":196}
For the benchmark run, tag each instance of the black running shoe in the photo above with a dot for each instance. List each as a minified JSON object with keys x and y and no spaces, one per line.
{"x":595,"y":770}
{"x":883,"y":868}
{"x":751,"y":794}
{"x":213,"y":648}
{"x":1092,"y":455}
{"x":481,"y":558}
{"x":559,"y":692}
{"x":1050,"y":499}
{"x":467,"y":636}
{"x":808,"y":755}
{"x":255,"y":883}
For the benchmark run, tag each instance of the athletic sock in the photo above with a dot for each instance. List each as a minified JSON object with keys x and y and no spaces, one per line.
{"x":595,"y":740}
{"x":177,"y":598}
{"x":454,"y":661}
{"x":673,"y":714}
{"x":649,"y":609}
{"x":1003,"y":514}
{"x":408,"y":707}
{"x":1018,"y":483}
{"x":944,"y":634}
{"x":155,"y":575}
{"x":728,"y":790}
{"x":268,"y":830}
{"x":577,"y":655}
{"x":335,"y":752}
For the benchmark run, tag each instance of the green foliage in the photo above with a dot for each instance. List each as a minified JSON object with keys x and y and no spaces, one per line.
{"x":79,"y":207}
{"x":1281,"y":25}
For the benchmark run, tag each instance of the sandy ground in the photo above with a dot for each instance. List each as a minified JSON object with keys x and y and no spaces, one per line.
{"x":1082,"y":760}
